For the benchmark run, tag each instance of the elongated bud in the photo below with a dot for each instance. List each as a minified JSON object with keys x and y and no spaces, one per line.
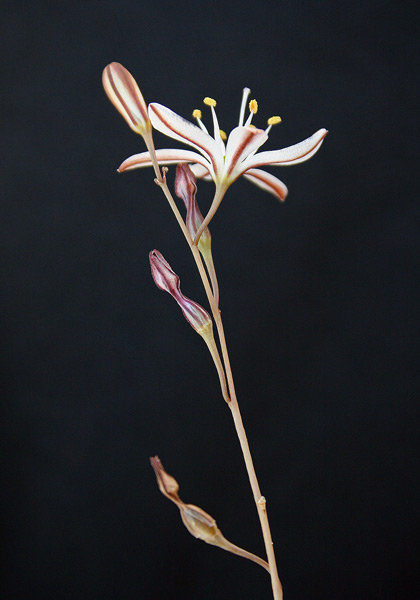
{"x":168,"y":281}
{"x":123,"y":91}
{"x":186,"y":189}
{"x":168,"y":485}
{"x":197,"y":317}
{"x":199,"y":523}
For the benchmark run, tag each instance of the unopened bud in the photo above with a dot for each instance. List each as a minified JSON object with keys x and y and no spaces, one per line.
{"x":199,"y":523}
{"x":123,"y":91}
{"x":168,"y":485}
{"x":197,"y":317}
{"x":186,"y":189}
{"x":168,"y":281}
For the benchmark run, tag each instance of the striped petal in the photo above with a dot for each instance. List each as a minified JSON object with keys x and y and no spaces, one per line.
{"x":176,"y":127}
{"x":288,"y":156}
{"x":267,"y":182}
{"x":241,"y":143}
{"x":164,"y":157}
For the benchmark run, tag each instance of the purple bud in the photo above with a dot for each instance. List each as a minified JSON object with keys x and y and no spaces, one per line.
{"x":186,"y":189}
{"x":168,"y":281}
{"x":162,"y":274}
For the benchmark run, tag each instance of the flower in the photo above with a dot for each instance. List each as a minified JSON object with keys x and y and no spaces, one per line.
{"x":224,"y":163}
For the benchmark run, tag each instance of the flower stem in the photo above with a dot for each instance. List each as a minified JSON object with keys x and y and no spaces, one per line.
{"x":233,"y":404}
{"x":259,"y":499}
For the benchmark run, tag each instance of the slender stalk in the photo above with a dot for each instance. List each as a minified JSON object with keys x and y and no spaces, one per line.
{"x":234,"y":549}
{"x":260,"y":500}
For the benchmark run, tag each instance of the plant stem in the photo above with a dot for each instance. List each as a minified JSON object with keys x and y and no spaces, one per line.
{"x":260,"y":501}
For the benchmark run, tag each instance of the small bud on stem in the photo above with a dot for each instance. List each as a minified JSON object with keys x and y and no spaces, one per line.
{"x":124,"y":93}
{"x":199,"y":319}
{"x":186,"y":189}
{"x":199,"y":523}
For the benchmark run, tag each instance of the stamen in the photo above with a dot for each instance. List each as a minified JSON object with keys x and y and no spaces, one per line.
{"x":209,"y":101}
{"x":218,"y":138}
{"x":245,"y":95}
{"x":253,"y":107}
{"x":197,"y":115}
{"x":223,"y":135}
{"x":272,"y":121}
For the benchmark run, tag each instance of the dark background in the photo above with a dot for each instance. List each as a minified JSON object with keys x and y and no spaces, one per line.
{"x":319,"y":297}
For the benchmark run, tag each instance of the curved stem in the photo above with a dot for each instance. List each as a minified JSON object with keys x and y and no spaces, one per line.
{"x":234,"y":549}
{"x":211,"y":345}
{"x":208,"y":260}
{"x":218,"y":196}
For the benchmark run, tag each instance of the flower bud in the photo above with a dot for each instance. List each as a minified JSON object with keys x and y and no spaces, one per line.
{"x":197,"y":317}
{"x":199,"y":523}
{"x":186,"y":189}
{"x":167,"y":484}
{"x":168,"y":281}
{"x":123,"y":91}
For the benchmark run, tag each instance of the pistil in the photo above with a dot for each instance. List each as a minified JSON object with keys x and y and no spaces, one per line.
{"x":245,"y":95}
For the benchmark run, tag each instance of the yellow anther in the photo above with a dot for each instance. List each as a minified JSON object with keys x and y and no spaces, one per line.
{"x":253,"y":106}
{"x":253,"y":126}
{"x":273,"y":120}
{"x":197,"y":113}
{"x":209,"y":101}
{"x":223,"y":134}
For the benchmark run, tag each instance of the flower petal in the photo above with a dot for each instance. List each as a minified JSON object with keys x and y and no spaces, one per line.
{"x":267,"y":182}
{"x":241,"y":143}
{"x":200,"y":172}
{"x":169,"y":123}
{"x":289,"y":156}
{"x":164,"y":157}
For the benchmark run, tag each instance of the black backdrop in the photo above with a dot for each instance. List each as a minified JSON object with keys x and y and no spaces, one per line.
{"x":319,"y":297}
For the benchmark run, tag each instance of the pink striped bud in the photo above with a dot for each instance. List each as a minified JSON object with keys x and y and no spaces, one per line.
{"x":168,"y":281}
{"x":123,"y":91}
{"x":186,"y":189}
